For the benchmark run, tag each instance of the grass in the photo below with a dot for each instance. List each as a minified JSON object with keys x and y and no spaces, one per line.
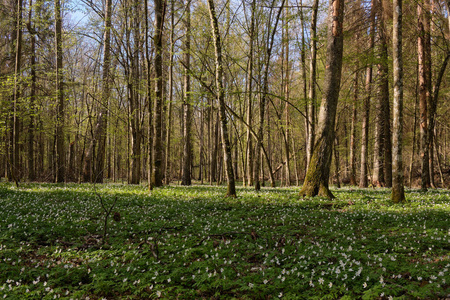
{"x":193,"y":243}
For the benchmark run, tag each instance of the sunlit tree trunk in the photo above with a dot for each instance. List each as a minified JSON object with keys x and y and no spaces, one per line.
{"x":220,"y":95}
{"x":311,"y":128}
{"x":398,"y":190}
{"x":424,"y":60}
{"x":317,"y":175}
{"x":363,"y":180}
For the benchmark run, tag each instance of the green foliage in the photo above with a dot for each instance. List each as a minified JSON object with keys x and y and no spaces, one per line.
{"x":191,"y":242}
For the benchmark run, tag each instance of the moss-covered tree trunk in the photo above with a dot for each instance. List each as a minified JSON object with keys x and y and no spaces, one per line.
{"x":317,"y":175}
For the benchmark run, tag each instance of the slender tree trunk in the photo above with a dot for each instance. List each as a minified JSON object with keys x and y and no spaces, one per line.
{"x":424,"y":87}
{"x":15,"y":122}
{"x":398,"y":190}
{"x":353,"y":130}
{"x":31,"y":127}
{"x":259,"y":144}
{"x":286,"y":96}
{"x":336,"y":162}
{"x":60,"y":147}
{"x":187,"y":143}
{"x":317,"y":175}
{"x":231,"y":188}
{"x":413,"y":150}
{"x":167,"y":167}
{"x":157,"y":174}
{"x":363,"y":180}
{"x":249,"y":98}
{"x":149,"y":100}
{"x":312,"y":86}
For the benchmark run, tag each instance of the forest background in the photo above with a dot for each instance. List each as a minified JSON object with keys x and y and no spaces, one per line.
{"x":127,"y":91}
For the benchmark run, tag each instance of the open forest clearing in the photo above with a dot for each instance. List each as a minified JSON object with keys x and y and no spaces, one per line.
{"x":194,"y":243}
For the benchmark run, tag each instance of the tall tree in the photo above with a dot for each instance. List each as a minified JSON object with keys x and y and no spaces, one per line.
{"x":60,"y":147}
{"x":157,"y":172}
{"x":311,"y":123}
{"x":424,"y":60}
{"x":220,"y":95}
{"x":15,"y":149}
{"x":382,"y":160}
{"x":363,"y":181}
{"x":249,"y":88}
{"x":317,"y":175}
{"x":398,"y":190}
{"x":167,"y":167}
{"x":187,"y":138}
{"x":33,"y":88}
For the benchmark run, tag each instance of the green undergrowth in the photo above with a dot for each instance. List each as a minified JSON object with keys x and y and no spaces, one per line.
{"x":194,"y":243}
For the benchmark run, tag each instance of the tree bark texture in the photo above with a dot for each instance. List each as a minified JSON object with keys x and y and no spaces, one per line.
{"x":424,"y":60}
{"x":317,"y":175}
{"x":157,"y":173}
{"x":363,"y":180}
{"x":311,"y":126}
{"x":398,"y":190}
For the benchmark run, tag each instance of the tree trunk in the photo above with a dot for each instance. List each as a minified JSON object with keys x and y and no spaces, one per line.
{"x":424,"y":60}
{"x":60,"y":147}
{"x":382,"y":146}
{"x":286,"y":96}
{"x":167,"y":167}
{"x":220,"y":94}
{"x":262,"y":106}
{"x":363,"y":180}
{"x":187,"y":143}
{"x":398,"y":190}
{"x":312,"y":86}
{"x":31,"y":127}
{"x":353,"y":131}
{"x":249,"y":98}
{"x":317,"y":175}
{"x":149,"y":101}
{"x":157,"y":173}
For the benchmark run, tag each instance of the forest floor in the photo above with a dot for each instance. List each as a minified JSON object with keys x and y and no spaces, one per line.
{"x":193,"y":243}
